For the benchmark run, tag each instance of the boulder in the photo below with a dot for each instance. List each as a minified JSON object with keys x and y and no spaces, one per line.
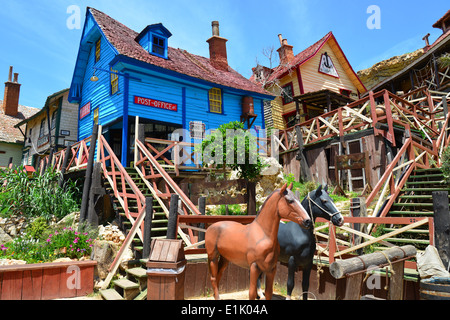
{"x":104,"y":253}
{"x":4,"y":237}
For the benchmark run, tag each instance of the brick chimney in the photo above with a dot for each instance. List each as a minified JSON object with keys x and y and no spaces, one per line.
{"x":11,"y":97}
{"x":285,"y":51}
{"x":217,"y":49}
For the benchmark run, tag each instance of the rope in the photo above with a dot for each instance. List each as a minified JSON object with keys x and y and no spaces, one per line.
{"x":324,"y":210}
{"x":390,"y":263}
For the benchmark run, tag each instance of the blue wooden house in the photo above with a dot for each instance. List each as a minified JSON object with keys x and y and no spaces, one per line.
{"x":120,"y":74}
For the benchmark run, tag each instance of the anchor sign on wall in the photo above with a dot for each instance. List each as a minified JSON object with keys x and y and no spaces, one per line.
{"x":326,"y":66}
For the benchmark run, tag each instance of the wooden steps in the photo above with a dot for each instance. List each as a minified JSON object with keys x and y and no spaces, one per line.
{"x":132,"y":287}
{"x":159,"y":221}
{"x":416,"y":200}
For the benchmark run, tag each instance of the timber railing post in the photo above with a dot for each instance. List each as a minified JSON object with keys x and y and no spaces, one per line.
{"x":64,"y":164}
{"x":88,"y":178}
{"x":202,"y":209}
{"x":173,"y":217}
{"x":442,"y":225}
{"x":147,"y":227}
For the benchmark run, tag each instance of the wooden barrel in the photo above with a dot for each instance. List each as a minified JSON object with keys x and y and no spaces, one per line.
{"x":436,"y":288}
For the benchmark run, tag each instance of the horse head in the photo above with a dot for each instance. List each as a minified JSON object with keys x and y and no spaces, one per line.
{"x":321,"y":205}
{"x":289,"y":207}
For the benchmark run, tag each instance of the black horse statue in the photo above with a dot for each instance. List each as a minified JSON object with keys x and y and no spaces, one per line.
{"x":297,"y":245}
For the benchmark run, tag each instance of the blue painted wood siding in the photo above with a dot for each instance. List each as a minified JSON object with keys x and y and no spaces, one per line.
{"x":196,"y":102}
{"x":99,"y":93}
{"x":192,"y":98}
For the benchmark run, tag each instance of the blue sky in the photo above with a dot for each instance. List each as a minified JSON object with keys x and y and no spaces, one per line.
{"x":35,"y":38}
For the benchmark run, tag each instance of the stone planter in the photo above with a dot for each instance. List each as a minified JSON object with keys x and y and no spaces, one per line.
{"x":45,"y":281}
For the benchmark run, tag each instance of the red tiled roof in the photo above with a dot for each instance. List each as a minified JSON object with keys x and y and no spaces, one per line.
{"x":441,"y":37}
{"x":8,"y":133}
{"x":304,"y":56}
{"x":179,"y":60}
{"x":300,"y":58}
{"x":438,"y":24}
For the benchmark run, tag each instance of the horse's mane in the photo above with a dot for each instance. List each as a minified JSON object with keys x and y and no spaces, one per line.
{"x":268,"y":197}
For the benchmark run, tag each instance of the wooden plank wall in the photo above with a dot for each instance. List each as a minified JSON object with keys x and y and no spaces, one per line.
{"x":197,"y":281}
{"x":45,"y":281}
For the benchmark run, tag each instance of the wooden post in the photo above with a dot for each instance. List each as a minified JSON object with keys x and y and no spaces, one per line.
{"x":358,"y":209}
{"x":445,"y":107}
{"x":353,"y":287}
{"x":305,"y":173}
{"x":96,"y":192}
{"x":396,"y":282}
{"x":251,"y":201}
{"x":442,"y":225}
{"x":342,"y":268}
{"x":147,"y":227}
{"x":64,"y":165}
{"x":202,"y":209}
{"x":88,"y":178}
{"x":173,"y":217}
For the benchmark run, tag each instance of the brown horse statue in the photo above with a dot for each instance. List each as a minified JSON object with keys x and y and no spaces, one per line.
{"x":253,"y":246}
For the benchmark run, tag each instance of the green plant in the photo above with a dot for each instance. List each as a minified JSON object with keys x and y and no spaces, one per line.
{"x":233,"y":147}
{"x":66,"y":243}
{"x":446,"y":164}
{"x":303,"y":188}
{"x":71,"y":243}
{"x":233,"y":209}
{"x":36,"y":196}
{"x":37,"y":229}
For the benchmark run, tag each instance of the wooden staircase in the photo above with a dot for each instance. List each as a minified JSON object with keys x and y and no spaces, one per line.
{"x":132,"y":287}
{"x":415,"y":200}
{"x":159,"y":221}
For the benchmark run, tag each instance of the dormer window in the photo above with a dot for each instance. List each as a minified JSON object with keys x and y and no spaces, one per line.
{"x":154,"y":38}
{"x":158,"y":45}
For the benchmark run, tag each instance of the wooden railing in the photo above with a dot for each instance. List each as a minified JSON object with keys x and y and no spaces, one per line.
{"x":120,"y":181}
{"x":423,"y":116}
{"x":184,"y":155}
{"x":336,"y":248}
{"x":78,"y":154}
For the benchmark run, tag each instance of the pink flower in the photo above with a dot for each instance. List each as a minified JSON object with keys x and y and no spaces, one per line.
{"x":75,"y":241}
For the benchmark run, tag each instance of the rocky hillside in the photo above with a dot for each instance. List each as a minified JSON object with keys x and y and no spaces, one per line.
{"x":386,"y":68}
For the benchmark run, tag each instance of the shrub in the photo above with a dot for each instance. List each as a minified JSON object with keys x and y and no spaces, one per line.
{"x":302,"y":188}
{"x":38,"y":228}
{"x":446,"y":164}
{"x":67,"y":243}
{"x":244,"y":152}
{"x":36,"y":196}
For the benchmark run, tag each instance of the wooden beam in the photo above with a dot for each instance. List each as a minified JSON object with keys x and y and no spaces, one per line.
{"x":385,"y":236}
